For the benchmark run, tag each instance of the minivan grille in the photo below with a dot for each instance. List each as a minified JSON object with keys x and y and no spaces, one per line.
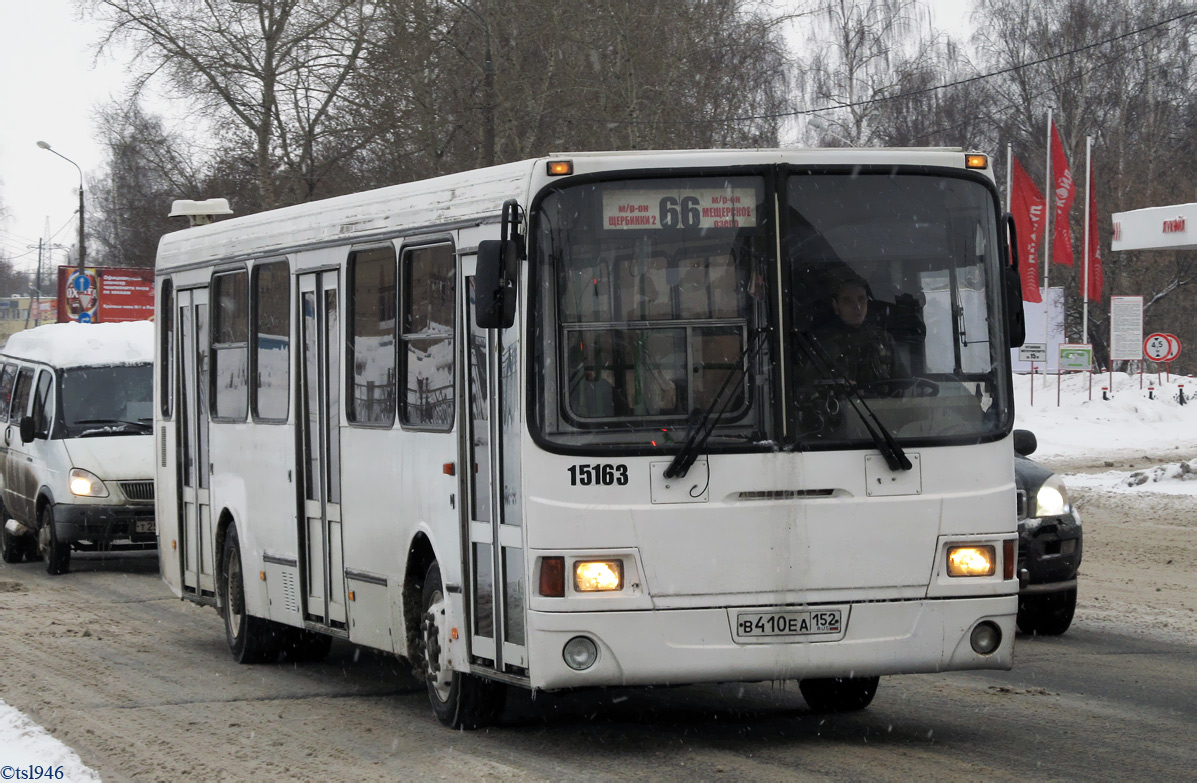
{"x":138,"y":490}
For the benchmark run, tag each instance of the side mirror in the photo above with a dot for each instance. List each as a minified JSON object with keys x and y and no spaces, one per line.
{"x":494,"y":284}
{"x":1025,"y":442}
{"x":1012,"y":279}
{"x":26,"y":428}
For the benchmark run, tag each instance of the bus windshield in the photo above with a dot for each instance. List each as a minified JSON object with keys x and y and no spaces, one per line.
{"x":661,"y":305}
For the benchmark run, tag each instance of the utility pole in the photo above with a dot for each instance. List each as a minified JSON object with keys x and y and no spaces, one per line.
{"x":35,"y":294}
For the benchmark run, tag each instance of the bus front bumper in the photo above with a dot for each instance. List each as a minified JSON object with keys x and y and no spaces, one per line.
{"x":686,"y":646}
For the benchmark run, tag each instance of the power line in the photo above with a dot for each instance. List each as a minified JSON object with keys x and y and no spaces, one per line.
{"x":903,"y":95}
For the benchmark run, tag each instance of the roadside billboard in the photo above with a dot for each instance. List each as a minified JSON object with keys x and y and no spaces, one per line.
{"x":105,"y":294}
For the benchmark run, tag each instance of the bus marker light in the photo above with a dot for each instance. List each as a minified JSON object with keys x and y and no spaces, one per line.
{"x":449,"y":469}
{"x":976,"y":161}
{"x":559,"y":167}
{"x":971,"y":561}
{"x":453,"y":633}
{"x":352,"y":596}
{"x":1008,"y":558}
{"x":262,"y":575}
{"x":552,"y":577}
{"x":592,"y":576}
{"x":580,"y":653}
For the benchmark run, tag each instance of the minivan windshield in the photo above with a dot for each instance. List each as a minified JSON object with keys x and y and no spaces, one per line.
{"x":112,"y":400}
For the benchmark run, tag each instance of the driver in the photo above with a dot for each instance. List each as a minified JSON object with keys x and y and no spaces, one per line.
{"x":863,"y":352}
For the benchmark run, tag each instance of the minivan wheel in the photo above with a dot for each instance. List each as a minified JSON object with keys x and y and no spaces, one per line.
{"x":12,"y":548}
{"x":58,"y":552}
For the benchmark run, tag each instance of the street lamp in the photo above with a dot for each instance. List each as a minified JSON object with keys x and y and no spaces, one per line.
{"x":82,"y":247}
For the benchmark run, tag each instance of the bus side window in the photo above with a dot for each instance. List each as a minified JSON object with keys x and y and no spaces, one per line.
{"x":271,"y":335}
{"x":166,"y":370}
{"x":230,"y":346}
{"x":372,"y":305}
{"x":426,"y":343}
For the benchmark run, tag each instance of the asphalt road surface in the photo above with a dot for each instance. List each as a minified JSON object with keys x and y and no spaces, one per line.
{"x":141,"y":685}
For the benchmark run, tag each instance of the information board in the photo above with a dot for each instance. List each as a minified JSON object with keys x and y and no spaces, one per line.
{"x":1126,"y":328}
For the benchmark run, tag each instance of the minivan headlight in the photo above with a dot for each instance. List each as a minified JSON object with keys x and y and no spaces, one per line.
{"x":1052,"y":498}
{"x":86,"y":484}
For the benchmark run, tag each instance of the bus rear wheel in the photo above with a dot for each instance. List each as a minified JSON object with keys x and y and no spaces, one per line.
{"x":459,"y":700}
{"x":251,"y":639}
{"x":839,"y":694}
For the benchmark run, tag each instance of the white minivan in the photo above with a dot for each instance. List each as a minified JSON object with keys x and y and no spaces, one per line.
{"x":77,"y":454}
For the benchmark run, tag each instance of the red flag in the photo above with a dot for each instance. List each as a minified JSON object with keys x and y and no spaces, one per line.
{"x":1026,"y":204}
{"x":1096,"y":278}
{"x":1065,"y":192}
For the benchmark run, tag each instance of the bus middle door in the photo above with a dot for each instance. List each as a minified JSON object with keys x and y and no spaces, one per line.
{"x":195,"y":540}
{"x":320,"y":450}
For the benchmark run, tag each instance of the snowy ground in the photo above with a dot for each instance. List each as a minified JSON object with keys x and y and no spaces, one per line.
{"x":28,"y":752}
{"x":1148,"y":443}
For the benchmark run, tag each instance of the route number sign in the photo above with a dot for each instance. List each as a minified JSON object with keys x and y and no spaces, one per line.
{"x":1161,"y":347}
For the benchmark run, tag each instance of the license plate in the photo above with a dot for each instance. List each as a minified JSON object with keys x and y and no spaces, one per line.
{"x":143,"y":526}
{"x":781,"y":624}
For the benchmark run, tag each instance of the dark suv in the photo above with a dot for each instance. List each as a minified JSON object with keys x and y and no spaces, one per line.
{"x":1049,"y":544}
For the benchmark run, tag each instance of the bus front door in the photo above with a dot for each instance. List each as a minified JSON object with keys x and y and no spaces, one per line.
{"x":320,"y":453}
{"x":196,"y":557}
{"x":494,"y":557}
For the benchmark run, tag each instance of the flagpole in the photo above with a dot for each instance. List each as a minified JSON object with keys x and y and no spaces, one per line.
{"x":1049,"y":207}
{"x":1088,"y":201}
{"x":1009,"y":176}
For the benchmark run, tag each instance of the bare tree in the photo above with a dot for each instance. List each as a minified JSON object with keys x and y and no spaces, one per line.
{"x":866,"y":52}
{"x":144,"y":171}
{"x":1121,"y":71}
{"x":275,"y":69}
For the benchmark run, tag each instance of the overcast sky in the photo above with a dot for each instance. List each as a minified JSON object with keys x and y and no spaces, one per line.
{"x":50,"y":87}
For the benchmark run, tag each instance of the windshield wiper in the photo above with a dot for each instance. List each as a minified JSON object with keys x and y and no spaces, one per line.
{"x":889,"y":447}
{"x":701,"y":430}
{"x":121,"y":422}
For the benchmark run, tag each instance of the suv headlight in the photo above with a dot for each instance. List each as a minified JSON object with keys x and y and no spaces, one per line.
{"x":86,"y":484}
{"x":1052,"y":498}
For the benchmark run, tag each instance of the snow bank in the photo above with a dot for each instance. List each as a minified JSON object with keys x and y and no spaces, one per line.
{"x":24,"y":744}
{"x":85,"y":345}
{"x":1134,"y":417}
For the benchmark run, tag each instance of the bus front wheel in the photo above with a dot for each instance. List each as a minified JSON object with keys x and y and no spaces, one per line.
{"x":460,"y":700}
{"x":251,"y":639}
{"x":839,"y":694}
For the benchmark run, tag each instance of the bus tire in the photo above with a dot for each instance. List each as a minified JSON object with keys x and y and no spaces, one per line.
{"x":251,"y":639}
{"x":1047,"y":615}
{"x":459,"y":700}
{"x":58,"y":552}
{"x":839,"y":694}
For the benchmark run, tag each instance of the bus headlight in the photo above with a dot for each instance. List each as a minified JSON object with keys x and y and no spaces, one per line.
{"x":1052,"y":498}
{"x":594,"y":576}
{"x":971,"y":561}
{"x":86,"y":484}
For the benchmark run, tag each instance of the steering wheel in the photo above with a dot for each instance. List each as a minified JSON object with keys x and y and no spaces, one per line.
{"x":901,"y":387}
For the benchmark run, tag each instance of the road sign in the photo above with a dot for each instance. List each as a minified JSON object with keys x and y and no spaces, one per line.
{"x":1076,"y":356}
{"x":1161,"y":347}
{"x":1032,"y":352}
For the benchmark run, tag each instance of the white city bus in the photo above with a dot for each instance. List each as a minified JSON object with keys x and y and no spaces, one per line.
{"x":570,"y":422}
